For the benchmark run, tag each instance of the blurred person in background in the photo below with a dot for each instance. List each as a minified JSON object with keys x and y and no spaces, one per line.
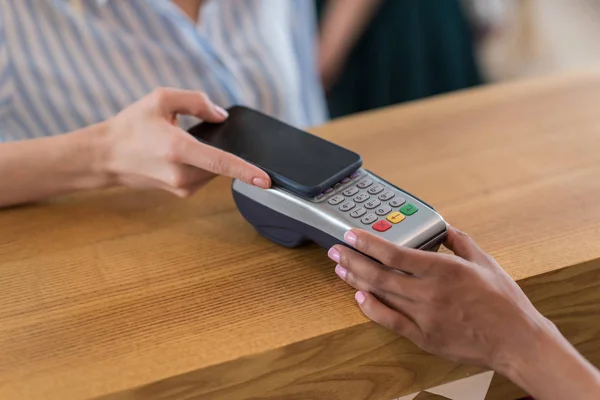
{"x":75,"y":78}
{"x":375,"y":53}
{"x":66,"y":64}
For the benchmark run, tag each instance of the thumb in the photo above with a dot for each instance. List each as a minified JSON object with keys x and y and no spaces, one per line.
{"x":463,"y":246}
{"x":187,"y":102}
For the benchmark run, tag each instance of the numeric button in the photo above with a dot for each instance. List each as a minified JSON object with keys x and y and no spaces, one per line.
{"x":372,"y":204}
{"x":365,"y":183}
{"x":375,"y":189}
{"x":359,"y":212}
{"x":369,"y":219}
{"x":347,"y":206}
{"x":335,"y":200}
{"x":385,"y":196}
{"x":397,"y":202}
{"x":361,"y":198}
{"x":351,"y":191}
{"x":383,"y":210}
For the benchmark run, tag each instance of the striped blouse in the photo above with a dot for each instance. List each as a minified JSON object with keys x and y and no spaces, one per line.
{"x":65,"y":64}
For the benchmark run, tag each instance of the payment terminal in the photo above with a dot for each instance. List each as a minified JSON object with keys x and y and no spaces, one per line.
{"x":320,"y":189}
{"x":361,"y":200}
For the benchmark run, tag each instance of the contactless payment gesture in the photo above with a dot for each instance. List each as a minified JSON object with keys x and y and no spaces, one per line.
{"x":320,"y":189}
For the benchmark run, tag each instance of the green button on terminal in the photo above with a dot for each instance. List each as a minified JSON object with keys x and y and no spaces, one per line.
{"x":408,"y":209}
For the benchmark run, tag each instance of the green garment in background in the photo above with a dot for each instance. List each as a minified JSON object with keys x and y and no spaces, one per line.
{"x":411,"y":49}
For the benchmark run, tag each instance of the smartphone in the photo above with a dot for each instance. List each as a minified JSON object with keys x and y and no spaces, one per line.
{"x":295,"y":160}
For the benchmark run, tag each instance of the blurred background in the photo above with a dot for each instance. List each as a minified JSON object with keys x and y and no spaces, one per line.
{"x":380,"y":52}
{"x":261,"y":53}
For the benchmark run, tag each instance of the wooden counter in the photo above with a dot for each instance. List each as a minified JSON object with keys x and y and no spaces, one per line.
{"x":137,"y":295}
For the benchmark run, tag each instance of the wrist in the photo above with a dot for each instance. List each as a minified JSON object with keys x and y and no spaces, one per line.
{"x":525,"y":348}
{"x":551,"y":368}
{"x":93,"y":147}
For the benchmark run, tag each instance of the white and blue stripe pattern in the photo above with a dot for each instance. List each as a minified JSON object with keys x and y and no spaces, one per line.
{"x":63,"y":67}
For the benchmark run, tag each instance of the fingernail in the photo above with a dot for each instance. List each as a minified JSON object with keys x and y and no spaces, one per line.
{"x":341,"y":271}
{"x":221,"y":111}
{"x":350,"y":238}
{"x":334,"y":254}
{"x":360,"y":297}
{"x":260,"y":182}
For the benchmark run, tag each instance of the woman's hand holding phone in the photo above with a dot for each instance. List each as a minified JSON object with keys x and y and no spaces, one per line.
{"x":142,"y":147}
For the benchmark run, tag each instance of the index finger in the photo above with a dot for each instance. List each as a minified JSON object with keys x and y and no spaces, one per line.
{"x":416,"y":262}
{"x":219,"y":162}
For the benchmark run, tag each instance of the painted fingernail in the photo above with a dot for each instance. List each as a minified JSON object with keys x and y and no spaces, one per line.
{"x":260,"y":182}
{"x":341,"y":271}
{"x":334,"y":254}
{"x":360,"y":297}
{"x":221,"y":111}
{"x":350,"y":238}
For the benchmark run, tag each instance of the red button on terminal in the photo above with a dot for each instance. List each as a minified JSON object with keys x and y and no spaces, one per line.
{"x":382,"y":226}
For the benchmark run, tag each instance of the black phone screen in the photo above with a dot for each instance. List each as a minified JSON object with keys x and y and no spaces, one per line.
{"x":294,"y":159}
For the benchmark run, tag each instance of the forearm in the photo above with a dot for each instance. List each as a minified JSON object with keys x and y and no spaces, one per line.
{"x":35,"y":169}
{"x":343,"y":22}
{"x":552,"y":369}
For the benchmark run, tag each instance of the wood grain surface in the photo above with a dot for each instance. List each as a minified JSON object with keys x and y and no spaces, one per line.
{"x":140,"y":295}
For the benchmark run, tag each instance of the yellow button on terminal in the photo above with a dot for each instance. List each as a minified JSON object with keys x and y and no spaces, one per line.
{"x":395,"y":217}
